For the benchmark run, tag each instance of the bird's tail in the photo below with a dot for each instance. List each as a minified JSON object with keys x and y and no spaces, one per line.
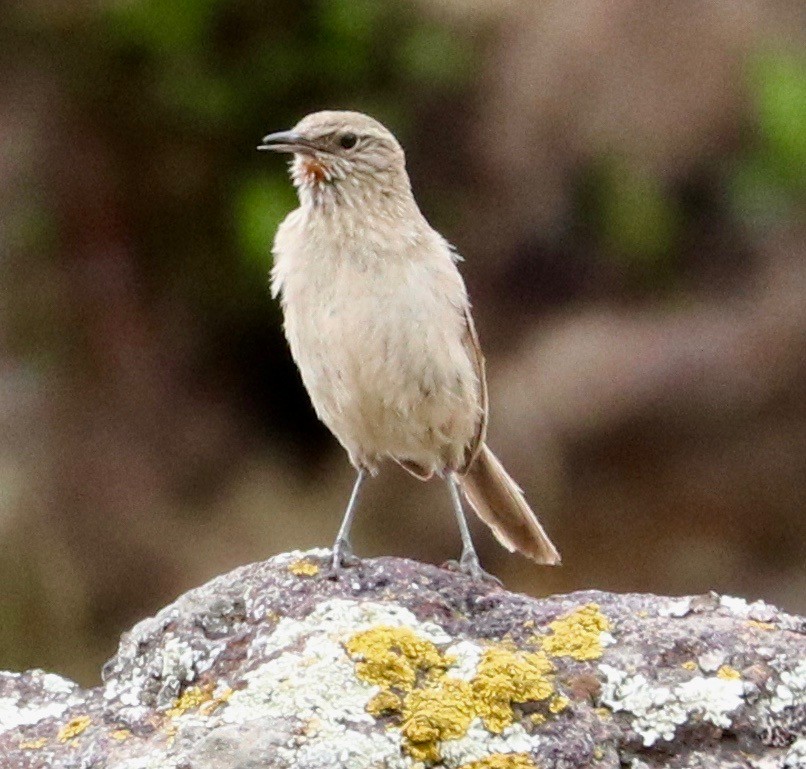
{"x":500,"y":503}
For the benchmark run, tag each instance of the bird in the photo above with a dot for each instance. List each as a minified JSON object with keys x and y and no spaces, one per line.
{"x":377,"y":318}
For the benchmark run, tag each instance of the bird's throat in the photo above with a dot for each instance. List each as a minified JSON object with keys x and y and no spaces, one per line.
{"x":313,"y":171}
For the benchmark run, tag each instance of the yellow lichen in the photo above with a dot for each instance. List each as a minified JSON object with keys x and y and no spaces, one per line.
{"x":603,"y":712}
{"x":761,"y":625}
{"x":210,"y":707}
{"x":304,"y":568}
{"x":437,"y":713}
{"x":384,"y":702}
{"x":689,"y":665}
{"x":505,"y":677}
{"x":598,"y":753}
{"x":171,"y":730}
{"x":503,"y":761}
{"x":202,"y":697}
{"x":34,"y":744}
{"x":191,"y":698}
{"x":73,"y":728}
{"x":578,"y":634}
{"x":394,"y":656}
{"x":434,"y":706}
{"x":558,"y":703}
{"x":728,"y":673}
{"x":537,"y":719}
{"x":121,"y":735}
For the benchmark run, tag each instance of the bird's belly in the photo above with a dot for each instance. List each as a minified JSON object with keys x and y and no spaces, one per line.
{"x":386,"y":372}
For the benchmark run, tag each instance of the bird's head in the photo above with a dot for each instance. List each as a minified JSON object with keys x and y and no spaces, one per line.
{"x":345,"y":156}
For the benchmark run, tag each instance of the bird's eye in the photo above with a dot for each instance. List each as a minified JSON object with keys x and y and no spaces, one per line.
{"x":348,"y":141}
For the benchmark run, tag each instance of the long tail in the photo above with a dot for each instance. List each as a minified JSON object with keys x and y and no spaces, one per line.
{"x":500,"y":503}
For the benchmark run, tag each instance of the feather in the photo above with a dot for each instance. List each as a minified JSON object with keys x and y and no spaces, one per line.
{"x":500,"y":503}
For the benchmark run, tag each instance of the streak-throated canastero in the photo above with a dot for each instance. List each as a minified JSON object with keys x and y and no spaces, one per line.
{"x":378,"y":321}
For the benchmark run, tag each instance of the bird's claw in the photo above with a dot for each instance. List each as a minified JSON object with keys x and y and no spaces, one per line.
{"x":469,"y":564}
{"x":343,"y":558}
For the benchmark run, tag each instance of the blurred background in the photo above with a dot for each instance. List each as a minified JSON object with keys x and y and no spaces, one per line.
{"x":626,"y":181}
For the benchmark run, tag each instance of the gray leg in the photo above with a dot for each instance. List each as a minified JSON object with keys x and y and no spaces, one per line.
{"x":469,"y":560}
{"x":342,"y":549}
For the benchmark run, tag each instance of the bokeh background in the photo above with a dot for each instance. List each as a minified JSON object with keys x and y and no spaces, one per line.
{"x":624,"y":179}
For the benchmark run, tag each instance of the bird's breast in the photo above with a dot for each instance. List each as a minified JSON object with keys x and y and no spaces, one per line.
{"x":377,"y":335}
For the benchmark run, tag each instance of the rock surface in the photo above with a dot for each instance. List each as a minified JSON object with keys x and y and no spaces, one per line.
{"x":399,"y":665}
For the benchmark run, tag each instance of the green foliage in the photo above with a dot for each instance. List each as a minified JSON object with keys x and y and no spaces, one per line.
{"x":166,"y":28}
{"x":435,"y":56}
{"x":779,"y":89}
{"x":348,"y":30}
{"x":770,"y":178}
{"x":260,"y":203}
{"x":637,"y":222}
{"x":757,"y":196}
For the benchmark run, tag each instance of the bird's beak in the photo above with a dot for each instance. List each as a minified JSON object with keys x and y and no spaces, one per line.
{"x":286,"y":141}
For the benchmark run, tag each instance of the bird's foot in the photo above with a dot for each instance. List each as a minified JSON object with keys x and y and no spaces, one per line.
{"x":469,"y":564}
{"x":343,"y":558}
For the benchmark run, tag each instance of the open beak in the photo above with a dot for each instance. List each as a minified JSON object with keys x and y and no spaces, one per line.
{"x":286,"y":141}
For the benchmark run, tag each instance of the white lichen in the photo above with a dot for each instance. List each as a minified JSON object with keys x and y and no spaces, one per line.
{"x":54,"y":684}
{"x":338,"y":617}
{"x":606,"y":638}
{"x":478,"y":744}
{"x":316,"y":680}
{"x":143,"y":762}
{"x":292,"y":556}
{"x":739,"y":607}
{"x":173,"y":663}
{"x":336,"y":746}
{"x":312,"y":678}
{"x":791,"y":691}
{"x":135,"y":763}
{"x":657,"y":711}
{"x":15,"y":713}
{"x":178,"y":659}
{"x":466,"y":656}
{"x":796,"y":755}
{"x":713,"y":699}
{"x":677,"y":607}
{"x":711,"y":661}
{"x":146,"y":762}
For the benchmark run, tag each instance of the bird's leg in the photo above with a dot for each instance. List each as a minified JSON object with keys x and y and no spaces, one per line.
{"x":342,"y":549}
{"x":469,"y":560}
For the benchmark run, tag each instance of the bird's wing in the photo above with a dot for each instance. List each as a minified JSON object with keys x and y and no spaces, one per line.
{"x":471,"y":343}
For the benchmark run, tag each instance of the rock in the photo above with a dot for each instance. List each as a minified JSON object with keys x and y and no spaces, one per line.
{"x":400,"y":665}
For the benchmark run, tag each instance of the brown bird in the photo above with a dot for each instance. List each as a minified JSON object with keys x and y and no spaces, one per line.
{"x":378,"y":321}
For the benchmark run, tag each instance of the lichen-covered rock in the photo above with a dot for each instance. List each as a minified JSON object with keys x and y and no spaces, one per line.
{"x":398,"y":665}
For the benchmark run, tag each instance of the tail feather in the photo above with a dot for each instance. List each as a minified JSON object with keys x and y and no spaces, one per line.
{"x":500,"y":503}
